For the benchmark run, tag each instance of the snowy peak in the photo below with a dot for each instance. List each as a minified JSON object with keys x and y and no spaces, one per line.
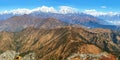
{"x":44,"y":9}
{"x":66,"y":9}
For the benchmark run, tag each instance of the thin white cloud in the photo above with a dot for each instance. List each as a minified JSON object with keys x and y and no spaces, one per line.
{"x":98,"y":13}
{"x":17,"y":11}
{"x":21,"y":11}
{"x":104,"y":7}
{"x":94,"y":12}
{"x":114,"y":22}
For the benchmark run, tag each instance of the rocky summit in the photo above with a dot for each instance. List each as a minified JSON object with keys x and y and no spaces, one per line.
{"x":63,"y":43}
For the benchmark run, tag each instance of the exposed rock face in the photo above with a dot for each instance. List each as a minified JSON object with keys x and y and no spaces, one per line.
{"x":8,"y":55}
{"x":30,"y":56}
{"x":61,"y":43}
{"x":100,"y":56}
{"x":12,"y":55}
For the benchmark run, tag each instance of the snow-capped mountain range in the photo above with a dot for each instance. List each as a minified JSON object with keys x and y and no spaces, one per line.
{"x":113,"y":18}
{"x":61,"y":10}
{"x":21,"y":11}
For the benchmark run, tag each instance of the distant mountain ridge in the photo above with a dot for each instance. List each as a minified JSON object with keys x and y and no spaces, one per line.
{"x":18,"y":23}
{"x":113,"y":20}
{"x":16,"y":20}
{"x":52,"y":20}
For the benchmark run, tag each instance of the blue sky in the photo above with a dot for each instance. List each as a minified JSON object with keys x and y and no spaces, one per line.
{"x":100,"y":5}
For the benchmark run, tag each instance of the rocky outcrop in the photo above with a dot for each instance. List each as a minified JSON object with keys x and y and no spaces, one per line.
{"x":100,"y":56}
{"x":8,"y":55}
{"x":12,"y":55}
{"x":30,"y":56}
